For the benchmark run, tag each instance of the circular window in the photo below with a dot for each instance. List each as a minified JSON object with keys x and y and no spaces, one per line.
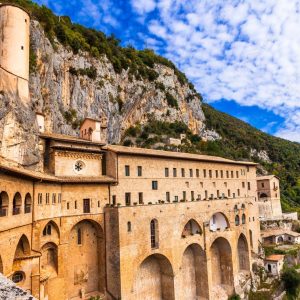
{"x":18,"y":277}
{"x":79,"y":166}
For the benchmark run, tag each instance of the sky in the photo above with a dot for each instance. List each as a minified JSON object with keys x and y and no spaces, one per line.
{"x":243,"y":56}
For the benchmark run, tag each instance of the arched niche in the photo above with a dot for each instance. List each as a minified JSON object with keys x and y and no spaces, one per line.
{"x":218,"y":221}
{"x":86,"y":259}
{"x":191,"y":228}
{"x":4,"y":202}
{"x":23,"y":247}
{"x":49,"y":260}
{"x":243,"y":254}
{"x":193,"y":274}
{"x":221,"y":264}
{"x":155,"y":279}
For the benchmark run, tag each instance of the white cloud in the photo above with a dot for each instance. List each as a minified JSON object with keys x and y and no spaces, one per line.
{"x":246,"y":51}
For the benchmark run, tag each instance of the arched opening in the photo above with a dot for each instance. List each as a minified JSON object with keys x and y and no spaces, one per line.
{"x":154,"y":234}
{"x":17,"y":203}
{"x":280,"y":239}
{"x":193,"y":274}
{"x":243,"y":254}
{"x":3,"y":204}
{"x":1,"y":265}
{"x":191,"y":228}
{"x":50,"y":233}
{"x":23,"y":248}
{"x":221,"y":265}
{"x":86,"y":261}
{"x":155,"y":279}
{"x":237,"y":220}
{"x":218,"y":222}
{"x":27,"y":204}
{"x":243,"y":219}
{"x":263,"y":195}
{"x":49,"y":265}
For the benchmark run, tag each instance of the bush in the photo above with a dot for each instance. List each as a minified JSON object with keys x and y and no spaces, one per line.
{"x":291,"y":280}
{"x":172,"y":102}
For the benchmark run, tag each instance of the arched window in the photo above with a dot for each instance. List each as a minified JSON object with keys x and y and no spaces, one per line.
{"x":27,"y":204}
{"x":3,"y":204}
{"x":243,"y":219}
{"x":129,"y":226}
{"x":17,"y":202}
{"x":47,"y":230}
{"x":236,"y":208}
{"x":79,"y":237}
{"x":243,"y":206}
{"x":237,"y":220}
{"x":154,"y":233}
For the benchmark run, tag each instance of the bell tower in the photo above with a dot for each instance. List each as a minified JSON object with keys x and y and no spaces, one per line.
{"x":14,"y":50}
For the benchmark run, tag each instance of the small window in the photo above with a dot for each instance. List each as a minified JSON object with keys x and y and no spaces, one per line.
{"x":59,"y":198}
{"x":40,"y":198}
{"x":166,"y":172}
{"x":210,"y":173}
{"x":53,"y":198}
{"x":18,"y":277}
{"x":191,"y":172}
{"x":75,"y":204}
{"x":184,"y":195}
{"x":227,"y":174}
{"x":174,"y":172}
{"x":127,"y":199}
{"x":243,"y":219}
{"x":182,"y":172}
{"x":47,"y":198}
{"x":128,"y":226}
{"x":248,"y":169}
{"x":168,"y":196}
{"x":154,"y":234}
{"x":217,"y":173}
{"x":206,"y":194}
{"x":114,"y":199}
{"x":47,"y":230}
{"x":127,"y":171}
{"x":249,"y":186}
{"x":237,"y":220}
{"x":98,"y":203}
{"x":197,"y":173}
{"x":22,"y":47}
{"x":237,"y":174}
{"x":141,"y":198}
{"x":154,"y":185}
{"x":79,"y":237}
{"x":139,"y":171}
{"x":68,"y":205}
{"x":243,"y":184}
{"x":229,"y":193}
{"x":204,"y":173}
{"x":232,"y":174}
{"x":222,"y":174}
{"x":192,"y":195}
{"x":239,"y":192}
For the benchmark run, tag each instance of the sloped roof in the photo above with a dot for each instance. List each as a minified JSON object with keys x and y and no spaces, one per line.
{"x":266,"y":177}
{"x":275,"y":257}
{"x":170,"y":154}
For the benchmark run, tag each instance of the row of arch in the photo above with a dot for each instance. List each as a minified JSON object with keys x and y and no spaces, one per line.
{"x":155,"y":276}
{"x":17,"y":204}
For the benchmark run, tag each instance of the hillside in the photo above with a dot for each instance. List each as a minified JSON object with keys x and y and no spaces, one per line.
{"x":78,"y":72}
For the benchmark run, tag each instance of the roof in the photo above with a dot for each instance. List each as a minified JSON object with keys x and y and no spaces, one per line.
{"x":277,"y":232}
{"x":92,"y":119}
{"x":68,"y":138}
{"x":16,"y":5}
{"x":275,"y":257}
{"x":266,"y":177}
{"x":170,"y":154}
{"x":40,"y":176}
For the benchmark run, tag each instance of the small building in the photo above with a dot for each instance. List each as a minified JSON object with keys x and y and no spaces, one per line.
{"x":40,"y":119}
{"x":280,"y":237}
{"x":94,"y":130}
{"x":274,"y":264}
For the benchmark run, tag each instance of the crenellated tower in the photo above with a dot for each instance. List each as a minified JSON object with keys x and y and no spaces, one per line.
{"x":14,"y":50}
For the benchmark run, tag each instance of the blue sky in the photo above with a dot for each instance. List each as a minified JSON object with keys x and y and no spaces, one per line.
{"x":243,"y":56}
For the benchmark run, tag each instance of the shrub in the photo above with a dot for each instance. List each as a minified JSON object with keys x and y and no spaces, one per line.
{"x":171,"y":100}
{"x":291,"y":280}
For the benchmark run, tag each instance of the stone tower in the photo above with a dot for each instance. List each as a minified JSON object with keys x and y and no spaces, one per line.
{"x":14,"y":51}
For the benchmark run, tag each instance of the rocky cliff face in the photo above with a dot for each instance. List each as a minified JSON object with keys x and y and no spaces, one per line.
{"x":64,"y":82}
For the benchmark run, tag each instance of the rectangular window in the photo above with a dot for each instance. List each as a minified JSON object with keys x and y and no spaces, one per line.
{"x":127,"y":199}
{"x":227,"y":174}
{"x":127,"y":171}
{"x":68,"y":205}
{"x":86,"y":206}
{"x":176,"y":198}
{"x":222,"y":174}
{"x":210,"y":173}
{"x":139,"y":171}
{"x":197,"y":172}
{"x":182,"y":172}
{"x":40,"y":198}
{"x":237,"y":174}
{"x":47,"y":198}
{"x":191,"y":172}
{"x":217,"y":173}
{"x":184,"y":195}
{"x":141,"y":198}
{"x":192,"y":195}
{"x":98,"y":203}
{"x":174,"y":172}
{"x":243,"y":184}
{"x":249,"y":187}
{"x":59,"y":198}
{"x":239,"y":192}
{"x":75,"y":204}
{"x":53,"y":198}
{"x":204,"y":173}
{"x":218,"y":194}
{"x":229,"y":193}
{"x":154,"y":185}
{"x":168,"y":196}
{"x":232,"y":174}
{"x":248,"y":169}
{"x":114,"y":199}
{"x":233,"y":195}
{"x":166,"y":172}
{"x":206,"y":195}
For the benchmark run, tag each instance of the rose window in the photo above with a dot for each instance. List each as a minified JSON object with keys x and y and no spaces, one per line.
{"x":79,"y":166}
